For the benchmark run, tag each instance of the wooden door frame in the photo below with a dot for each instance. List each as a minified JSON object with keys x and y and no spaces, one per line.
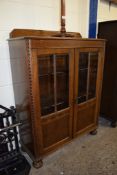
{"x":35,"y":107}
{"x":98,"y":82}
{"x":36,"y":92}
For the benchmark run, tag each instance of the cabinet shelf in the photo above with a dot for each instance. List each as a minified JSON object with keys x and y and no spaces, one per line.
{"x":47,"y":107}
{"x":83,"y":69}
{"x":50,"y":74}
{"x":82,"y":96}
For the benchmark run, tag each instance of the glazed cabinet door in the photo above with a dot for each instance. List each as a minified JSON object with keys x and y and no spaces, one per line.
{"x":54,"y":79}
{"x":88,"y":70}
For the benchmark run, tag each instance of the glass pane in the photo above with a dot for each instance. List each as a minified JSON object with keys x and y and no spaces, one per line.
{"x":83,"y":60}
{"x":62,"y":81}
{"x":46,"y":83}
{"x":88,"y":64}
{"x":83,"y":72}
{"x":93,"y":75}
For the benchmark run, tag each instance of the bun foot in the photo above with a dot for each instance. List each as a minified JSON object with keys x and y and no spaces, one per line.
{"x":94,"y":132}
{"x":38,"y":163}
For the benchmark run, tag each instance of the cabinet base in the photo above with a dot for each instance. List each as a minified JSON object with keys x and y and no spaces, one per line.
{"x":38,"y":163}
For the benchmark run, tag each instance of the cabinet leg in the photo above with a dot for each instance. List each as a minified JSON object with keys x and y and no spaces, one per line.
{"x":38,"y":163}
{"x":94,"y":132}
{"x":113,"y":124}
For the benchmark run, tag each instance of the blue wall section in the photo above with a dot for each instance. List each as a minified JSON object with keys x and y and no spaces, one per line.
{"x":93,"y":18}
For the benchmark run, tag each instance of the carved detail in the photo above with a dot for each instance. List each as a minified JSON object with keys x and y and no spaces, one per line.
{"x":32,"y":106}
{"x":30,"y":79}
{"x":63,"y":29}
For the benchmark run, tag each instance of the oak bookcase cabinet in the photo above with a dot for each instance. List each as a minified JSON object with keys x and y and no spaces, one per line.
{"x":57,"y":86}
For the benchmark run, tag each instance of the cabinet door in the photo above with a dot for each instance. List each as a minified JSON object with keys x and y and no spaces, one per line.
{"x":87,"y":80}
{"x":55,"y":89}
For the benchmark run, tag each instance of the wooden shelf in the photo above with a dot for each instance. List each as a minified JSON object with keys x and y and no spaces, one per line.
{"x":83,"y":69}
{"x":113,"y":1}
{"x":49,"y":74}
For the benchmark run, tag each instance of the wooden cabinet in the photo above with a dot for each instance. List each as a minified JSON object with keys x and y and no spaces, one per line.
{"x":57,"y":86}
{"x":108,"y":109}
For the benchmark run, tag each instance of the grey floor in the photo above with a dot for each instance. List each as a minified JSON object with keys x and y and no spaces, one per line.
{"x":87,"y":155}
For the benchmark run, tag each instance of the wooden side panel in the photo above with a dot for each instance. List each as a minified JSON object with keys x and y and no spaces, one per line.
{"x":20,"y":77}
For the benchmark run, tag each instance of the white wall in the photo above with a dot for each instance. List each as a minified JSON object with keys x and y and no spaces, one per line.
{"x":34,"y":14}
{"x":40,"y":14}
{"x":106,"y":12}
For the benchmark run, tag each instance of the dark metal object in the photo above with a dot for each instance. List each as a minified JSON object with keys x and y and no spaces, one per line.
{"x":11,"y":160}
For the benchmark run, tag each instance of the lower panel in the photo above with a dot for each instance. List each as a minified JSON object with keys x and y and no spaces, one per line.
{"x":56,"y":129}
{"x":85,"y":116}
